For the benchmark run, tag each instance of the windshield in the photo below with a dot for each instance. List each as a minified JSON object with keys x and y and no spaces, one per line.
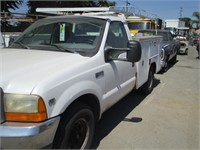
{"x":72,"y":34}
{"x":138,"y":25}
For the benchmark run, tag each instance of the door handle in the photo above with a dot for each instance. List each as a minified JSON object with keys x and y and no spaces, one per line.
{"x":99,"y":74}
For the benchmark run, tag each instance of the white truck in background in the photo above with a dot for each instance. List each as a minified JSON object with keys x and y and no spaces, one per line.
{"x":62,"y":73}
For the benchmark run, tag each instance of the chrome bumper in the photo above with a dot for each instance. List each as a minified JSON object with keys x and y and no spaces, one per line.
{"x":28,"y":135}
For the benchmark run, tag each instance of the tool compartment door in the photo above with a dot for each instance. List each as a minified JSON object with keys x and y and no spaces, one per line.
{"x":143,"y":65}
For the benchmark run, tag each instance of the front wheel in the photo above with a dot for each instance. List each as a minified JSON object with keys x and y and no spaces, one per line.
{"x":76,"y":128}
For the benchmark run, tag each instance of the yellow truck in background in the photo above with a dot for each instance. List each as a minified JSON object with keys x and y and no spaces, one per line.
{"x":136,"y":23}
{"x":138,"y":19}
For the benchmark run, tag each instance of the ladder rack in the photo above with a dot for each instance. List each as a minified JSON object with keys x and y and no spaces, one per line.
{"x":82,"y":10}
{"x":126,"y":11}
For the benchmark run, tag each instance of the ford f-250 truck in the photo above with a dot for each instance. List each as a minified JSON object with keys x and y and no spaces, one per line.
{"x":63,"y":72}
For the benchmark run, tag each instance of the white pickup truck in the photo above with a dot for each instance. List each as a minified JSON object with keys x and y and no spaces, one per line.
{"x":63,"y":72}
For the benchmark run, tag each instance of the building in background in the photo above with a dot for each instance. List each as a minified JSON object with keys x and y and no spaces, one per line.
{"x":177,"y":27}
{"x":176,"y":23}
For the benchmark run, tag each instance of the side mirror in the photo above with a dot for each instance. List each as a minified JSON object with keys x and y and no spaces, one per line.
{"x":135,"y":52}
{"x":131,"y":54}
{"x":116,"y":54}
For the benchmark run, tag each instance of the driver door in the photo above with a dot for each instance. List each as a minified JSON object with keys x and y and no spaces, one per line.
{"x":119,"y":75}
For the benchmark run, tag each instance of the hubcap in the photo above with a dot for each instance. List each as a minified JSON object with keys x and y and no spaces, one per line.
{"x":78,"y":134}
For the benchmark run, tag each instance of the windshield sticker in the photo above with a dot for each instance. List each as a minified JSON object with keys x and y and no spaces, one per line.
{"x":62,"y":32}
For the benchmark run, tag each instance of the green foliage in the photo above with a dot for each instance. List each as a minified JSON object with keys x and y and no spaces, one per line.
{"x":192,"y":23}
{"x":197,"y":19}
{"x":196,"y":15}
{"x":188,"y":21}
{"x":6,"y":5}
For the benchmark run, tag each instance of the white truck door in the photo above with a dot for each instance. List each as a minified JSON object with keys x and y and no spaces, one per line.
{"x":119,"y":75}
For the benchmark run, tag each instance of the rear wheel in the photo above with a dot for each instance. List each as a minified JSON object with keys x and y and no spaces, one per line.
{"x":174,"y":59}
{"x":148,"y":86}
{"x":76,"y":128}
{"x":165,"y":68}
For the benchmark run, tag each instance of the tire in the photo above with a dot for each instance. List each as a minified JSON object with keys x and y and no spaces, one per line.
{"x":76,"y":128}
{"x":165,"y":68}
{"x":174,"y":59}
{"x":186,"y":52}
{"x":148,"y":86}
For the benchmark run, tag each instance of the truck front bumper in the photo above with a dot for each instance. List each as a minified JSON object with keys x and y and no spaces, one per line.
{"x":28,"y":135}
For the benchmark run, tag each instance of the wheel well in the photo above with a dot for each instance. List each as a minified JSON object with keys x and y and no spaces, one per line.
{"x":91,"y":101}
{"x":167,"y":58}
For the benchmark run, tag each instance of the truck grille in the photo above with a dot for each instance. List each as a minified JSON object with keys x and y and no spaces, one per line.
{"x":2,"y":119}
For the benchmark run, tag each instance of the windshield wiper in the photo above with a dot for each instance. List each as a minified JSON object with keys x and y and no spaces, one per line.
{"x":58,"y":47}
{"x":21,"y":44}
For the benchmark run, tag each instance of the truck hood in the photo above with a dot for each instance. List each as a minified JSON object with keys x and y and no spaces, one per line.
{"x":22,"y":69}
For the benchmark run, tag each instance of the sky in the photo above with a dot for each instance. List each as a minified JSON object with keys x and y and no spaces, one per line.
{"x":164,"y":9}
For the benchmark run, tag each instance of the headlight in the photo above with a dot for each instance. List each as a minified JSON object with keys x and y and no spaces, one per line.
{"x":29,"y":108}
{"x":162,"y":54}
{"x":133,"y":34}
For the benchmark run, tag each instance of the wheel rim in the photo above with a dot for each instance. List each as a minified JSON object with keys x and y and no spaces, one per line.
{"x":78,"y":135}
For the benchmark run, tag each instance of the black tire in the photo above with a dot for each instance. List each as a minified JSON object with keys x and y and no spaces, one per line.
{"x":148,"y":86}
{"x":165,"y":68}
{"x":76,"y":128}
{"x":174,"y":59}
{"x":186,"y":52}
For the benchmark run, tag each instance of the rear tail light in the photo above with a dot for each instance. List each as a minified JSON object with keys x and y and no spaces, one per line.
{"x":198,"y":40}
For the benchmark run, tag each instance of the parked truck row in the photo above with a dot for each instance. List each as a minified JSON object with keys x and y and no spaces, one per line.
{"x":170,"y":46}
{"x":62,"y":73}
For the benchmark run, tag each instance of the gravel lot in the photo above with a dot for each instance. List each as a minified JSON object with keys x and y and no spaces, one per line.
{"x":168,"y":118}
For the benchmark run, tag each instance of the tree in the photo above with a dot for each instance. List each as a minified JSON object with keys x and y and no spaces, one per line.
{"x":6,"y":5}
{"x":197,"y":20}
{"x":188,"y":21}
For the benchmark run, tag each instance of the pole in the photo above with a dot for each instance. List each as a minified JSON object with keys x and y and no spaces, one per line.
{"x":181,"y":11}
{"x":127,"y":3}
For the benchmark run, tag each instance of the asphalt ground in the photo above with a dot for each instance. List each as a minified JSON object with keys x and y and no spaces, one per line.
{"x":168,"y":118}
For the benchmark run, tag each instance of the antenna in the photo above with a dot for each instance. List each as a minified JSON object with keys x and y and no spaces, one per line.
{"x":181,"y":12}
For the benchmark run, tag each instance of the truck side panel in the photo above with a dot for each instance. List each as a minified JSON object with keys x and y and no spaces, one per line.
{"x":151,"y":49}
{"x":143,"y":65}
